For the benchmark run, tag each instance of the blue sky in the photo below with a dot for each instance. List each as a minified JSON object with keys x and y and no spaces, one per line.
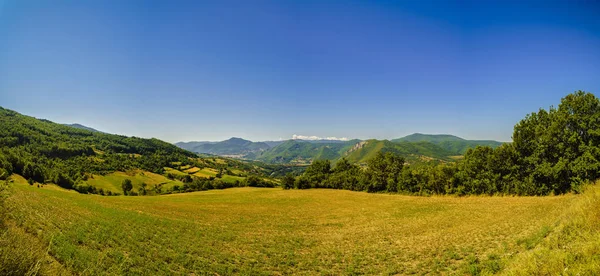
{"x":264,"y":70}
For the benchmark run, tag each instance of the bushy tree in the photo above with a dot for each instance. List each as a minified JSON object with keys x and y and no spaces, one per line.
{"x":126,"y":186}
{"x":317,"y":172}
{"x":143,"y":189}
{"x":288,"y":181}
{"x":383,"y":171}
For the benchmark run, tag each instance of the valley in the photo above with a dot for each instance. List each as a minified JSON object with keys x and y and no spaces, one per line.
{"x":237,"y":137}
{"x":79,"y":201}
{"x":416,"y":148}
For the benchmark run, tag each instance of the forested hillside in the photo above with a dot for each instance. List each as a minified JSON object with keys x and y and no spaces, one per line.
{"x":450,"y":143}
{"x":94,"y":162}
{"x":44,"y":151}
{"x":553,"y":152}
{"x":233,"y":146}
{"x":412,"y":152}
{"x":80,"y":126}
{"x":302,"y":152}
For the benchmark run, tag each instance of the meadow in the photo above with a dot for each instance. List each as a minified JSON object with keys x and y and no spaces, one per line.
{"x":275,"y":231}
{"x":112,"y":181}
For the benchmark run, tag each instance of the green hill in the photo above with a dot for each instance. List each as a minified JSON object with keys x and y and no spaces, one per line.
{"x":356,"y":151}
{"x":450,"y":143}
{"x":413,"y":152}
{"x":95,"y":162}
{"x":80,"y":126}
{"x":232,"y":146}
{"x":415,"y":148}
{"x":303,"y":152}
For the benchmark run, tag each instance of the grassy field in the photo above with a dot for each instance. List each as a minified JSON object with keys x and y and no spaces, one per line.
{"x":206,"y":172}
{"x":174,"y":171}
{"x":274,"y":231}
{"x":112,"y":182}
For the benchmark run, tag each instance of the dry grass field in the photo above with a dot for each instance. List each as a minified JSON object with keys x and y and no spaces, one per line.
{"x":274,"y":231}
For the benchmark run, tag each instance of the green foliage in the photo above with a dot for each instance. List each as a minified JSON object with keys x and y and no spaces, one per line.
{"x":317,"y":172}
{"x":255,"y":181}
{"x":294,"y":151}
{"x":288,"y":181}
{"x":553,"y":152}
{"x":232,"y":146}
{"x":47,"y":152}
{"x":126,"y":186}
{"x":383,"y":172}
{"x":413,"y":152}
{"x":450,"y":143}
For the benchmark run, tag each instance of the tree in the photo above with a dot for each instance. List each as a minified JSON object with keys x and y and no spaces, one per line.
{"x":560,"y":148}
{"x":317,"y":172}
{"x":158,"y":189}
{"x":288,"y":181}
{"x":302,"y":183}
{"x":143,"y":189}
{"x":126,"y":186}
{"x":342,"y":165}
{"x":384,"y":170}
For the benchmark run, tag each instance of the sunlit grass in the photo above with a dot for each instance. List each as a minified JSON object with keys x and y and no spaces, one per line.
{"x":206,"y":173}
{"x":273,"y":231}
{"x":112,"y":182}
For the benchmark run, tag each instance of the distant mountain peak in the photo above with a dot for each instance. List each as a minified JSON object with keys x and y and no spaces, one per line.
{"x":80,"y":126}
{"x":232,"y":139}
{"x":423,"y":136}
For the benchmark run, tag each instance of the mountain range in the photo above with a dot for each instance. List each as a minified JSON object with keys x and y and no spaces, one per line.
{"x":448,"y":142}
{"x":416,"y":147}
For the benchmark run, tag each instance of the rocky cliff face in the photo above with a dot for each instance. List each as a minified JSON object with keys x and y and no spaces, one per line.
{"x":358,"y":146}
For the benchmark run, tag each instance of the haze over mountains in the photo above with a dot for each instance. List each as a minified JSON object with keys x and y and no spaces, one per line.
{"x":415,"y":147}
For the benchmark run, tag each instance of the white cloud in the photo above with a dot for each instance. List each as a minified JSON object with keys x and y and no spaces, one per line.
{"x":303,"y":137}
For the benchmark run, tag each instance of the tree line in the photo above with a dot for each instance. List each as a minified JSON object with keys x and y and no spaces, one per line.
{"x":553,"y":151}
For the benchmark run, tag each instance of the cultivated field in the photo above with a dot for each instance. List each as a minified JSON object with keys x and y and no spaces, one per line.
{"x":112,"y":182}
{"x":274,"y":231}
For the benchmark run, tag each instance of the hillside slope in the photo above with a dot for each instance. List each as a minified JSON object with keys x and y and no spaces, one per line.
{"x":232,"y":146}
{"x":450,"y":143}
{"x":413,"y":152}
{"x":80,"y":126}
{"x":304,"y":152}
{"x":94,"y":162}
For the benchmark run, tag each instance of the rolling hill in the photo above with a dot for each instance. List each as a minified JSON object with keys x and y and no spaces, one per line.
{"x":80,"y":126}
{"x":233,"y":146}
{"x":413,"y":152}
{"x":303,"y":152}
{"x":454,"y":144}
{"x":355,"y":151}
{"x":90,"y":161}
{"x":416,"y":148}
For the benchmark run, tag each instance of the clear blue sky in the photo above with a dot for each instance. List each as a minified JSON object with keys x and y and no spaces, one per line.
{"x":264,"y":70}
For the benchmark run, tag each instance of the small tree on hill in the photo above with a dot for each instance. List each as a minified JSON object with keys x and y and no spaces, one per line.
{"x":143,"y":189}
{"x":126,"y":186}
